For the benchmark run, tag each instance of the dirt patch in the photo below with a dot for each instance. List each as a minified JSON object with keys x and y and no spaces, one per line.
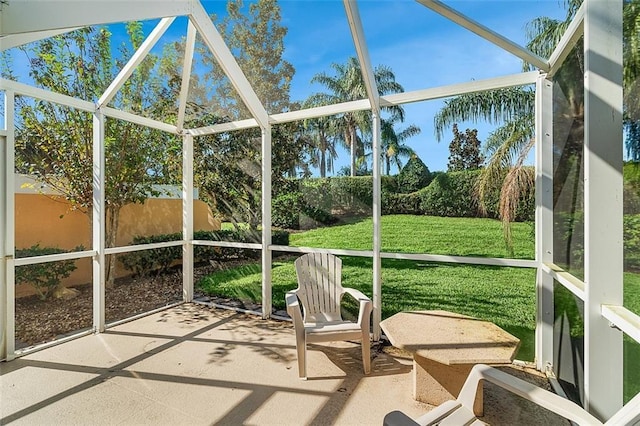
{"x":39,"y":321}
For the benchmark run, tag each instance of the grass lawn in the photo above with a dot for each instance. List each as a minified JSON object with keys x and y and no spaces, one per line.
{"x":505,"y":296}
{"x":631,"y":347}
{"x":424,"y":234}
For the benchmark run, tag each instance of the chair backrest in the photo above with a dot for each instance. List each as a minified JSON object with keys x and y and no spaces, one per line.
{"x":320,"y":286}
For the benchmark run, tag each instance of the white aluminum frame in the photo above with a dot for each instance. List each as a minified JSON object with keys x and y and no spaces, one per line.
{"x":98,"y":221}
{"x":603,"y":256}
{"x":7,"y":205}
{"x":602,"y":287}
{"x":357,"y":33}
{"x":544,"y":222}
{"x":187,"y":217}
{"x":134,"y":61}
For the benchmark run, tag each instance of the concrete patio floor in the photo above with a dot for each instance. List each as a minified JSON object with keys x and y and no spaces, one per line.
{"x":199,"y":366}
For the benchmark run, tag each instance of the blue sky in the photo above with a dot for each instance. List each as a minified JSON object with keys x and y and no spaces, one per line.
{"x":423,"y":50}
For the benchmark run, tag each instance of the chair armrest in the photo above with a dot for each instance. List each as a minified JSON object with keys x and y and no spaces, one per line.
{"x":398,"y":418}
{"x":433,"y":417}
{"x":366,"y":306}
{"x":528,"y":391}
{"x":293,"y":308}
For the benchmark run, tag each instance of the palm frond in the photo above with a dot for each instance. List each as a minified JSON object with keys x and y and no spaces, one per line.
{"x":494,"y":106}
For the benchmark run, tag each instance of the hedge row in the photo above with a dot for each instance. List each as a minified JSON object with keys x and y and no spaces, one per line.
{"x":158,"y":260}
{"x":304,"y":203}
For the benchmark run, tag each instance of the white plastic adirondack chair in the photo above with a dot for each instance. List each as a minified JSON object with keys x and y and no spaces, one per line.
{"x":320,"y":291}
{"x":460,"y":411}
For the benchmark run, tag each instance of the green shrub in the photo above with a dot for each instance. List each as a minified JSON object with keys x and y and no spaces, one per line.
{"x":414,"y":176}
{"x":451,"y":195}
{"x":352,"y":196}
{"x":144,"y":262}
{"x":285,"y":210}
{"x":401,"y":203}
{"x":631,"y":242}
{"x":44,"y":277}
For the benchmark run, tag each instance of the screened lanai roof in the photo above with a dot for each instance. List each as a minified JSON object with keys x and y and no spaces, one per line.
{"x":26,"y":21}
{"x":406,"y":36}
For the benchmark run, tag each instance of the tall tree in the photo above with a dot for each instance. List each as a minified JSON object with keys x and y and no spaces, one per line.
{"x":393,"y":145}
{"x":347,"y":84}
{"x":320,"y":133}
{"x":54,"y":143}
{"x":229,"y":165}
{"x":464,"y":150}
{"x":513,"y":110}
{"x":256,"y":37}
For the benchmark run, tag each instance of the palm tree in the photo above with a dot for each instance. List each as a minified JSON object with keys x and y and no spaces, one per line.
{"x":321,"y":141}
{"x":348,"y":85}
{"x":321,"y":146}
{"x":393,"y":147}
{"x":513,"y":109}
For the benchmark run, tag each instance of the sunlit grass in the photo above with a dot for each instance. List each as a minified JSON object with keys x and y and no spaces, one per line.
{"x":424,"y":234}
{"x":505,"y":296}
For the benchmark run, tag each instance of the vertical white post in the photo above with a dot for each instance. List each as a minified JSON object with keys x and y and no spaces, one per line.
{"x":603,"y":229}
{"x":4,"y":283}
{"x":7,"y":231}
{"x":266,"y":222}
{"x":187,"y":217}
{"x":544,"y":222}
{"x":98,"y":221}
{"x":377,"y":211}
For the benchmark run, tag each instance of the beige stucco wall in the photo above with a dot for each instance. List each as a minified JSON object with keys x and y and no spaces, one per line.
{"x":48,"y":220}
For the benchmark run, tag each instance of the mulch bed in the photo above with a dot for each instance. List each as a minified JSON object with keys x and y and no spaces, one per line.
{"x":39,"y":321}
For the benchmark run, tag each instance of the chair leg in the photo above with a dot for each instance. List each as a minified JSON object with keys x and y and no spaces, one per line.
{"x":301,"y":347}
{"x":366,"y":353}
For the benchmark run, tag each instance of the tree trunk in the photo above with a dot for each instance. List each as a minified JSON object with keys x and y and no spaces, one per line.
{"x":113,"y":216}
{"x":323,"y":163}
{"x":352,"y":137}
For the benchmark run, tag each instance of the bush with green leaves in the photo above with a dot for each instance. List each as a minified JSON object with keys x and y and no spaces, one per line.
{"x":314,"y":202}
{"x":44,"y":277}
{"x":414,"y":176}
{"x":158,"y":260}
{"x":451,"y":195}
{"x":631,"y":238}
{"x":285,"y":210}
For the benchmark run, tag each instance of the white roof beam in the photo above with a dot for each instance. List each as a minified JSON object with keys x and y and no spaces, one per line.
{"x":574,"y":31}
{"x":137,"y":119}
{"x":24,"y":16}
{"x":249,"y":123}
{"x":285,"y":117}
{"x":486,"y":33}
{"x":135,"y":60}
{"x":46,"y":95}
{"x":520,"y":79}
{"x":186,"y":74}
{"x":357,"y":32}
{"x":14,"y":40}
{"x":227,"y":62}
{"x":322,"y":111}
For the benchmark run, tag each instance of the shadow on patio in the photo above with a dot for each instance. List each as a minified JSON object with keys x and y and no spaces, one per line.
{"x":193,"y":365}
